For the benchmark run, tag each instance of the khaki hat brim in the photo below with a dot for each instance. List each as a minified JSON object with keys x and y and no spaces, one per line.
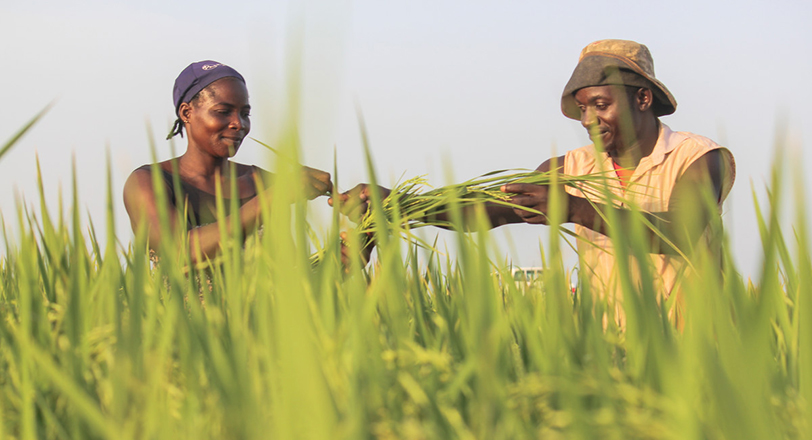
{"x":603,"y":70}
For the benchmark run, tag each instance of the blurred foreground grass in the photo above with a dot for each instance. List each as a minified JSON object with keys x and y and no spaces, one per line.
{"x":97,"y":343}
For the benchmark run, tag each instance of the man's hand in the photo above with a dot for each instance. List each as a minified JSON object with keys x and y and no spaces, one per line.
{"x":355,"y":202}
{"x":535,"y":197}
{"x":316,"y":182}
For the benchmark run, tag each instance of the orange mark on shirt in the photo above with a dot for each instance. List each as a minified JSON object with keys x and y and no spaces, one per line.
{"x":624,"y":174}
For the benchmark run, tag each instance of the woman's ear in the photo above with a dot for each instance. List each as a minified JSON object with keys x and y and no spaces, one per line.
{"x":644,"y":99}
{"x":185,"y":112}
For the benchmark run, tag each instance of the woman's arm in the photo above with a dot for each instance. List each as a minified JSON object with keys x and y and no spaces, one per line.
{"x":141,"y":203}
{"x":204,"y":241}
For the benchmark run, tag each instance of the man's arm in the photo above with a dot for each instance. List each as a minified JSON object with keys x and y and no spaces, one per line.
{"x":355,"y":203}
{"x":689,"y":210}
{"x":498,"y":214}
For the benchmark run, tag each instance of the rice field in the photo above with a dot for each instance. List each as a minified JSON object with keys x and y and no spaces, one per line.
{"x":97,"y":342}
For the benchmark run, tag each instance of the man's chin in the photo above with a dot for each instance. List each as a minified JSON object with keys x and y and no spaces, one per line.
{"x":601,"y":144}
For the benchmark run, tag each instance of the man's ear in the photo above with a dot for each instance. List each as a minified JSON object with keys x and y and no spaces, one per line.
{"x":644,"y":99}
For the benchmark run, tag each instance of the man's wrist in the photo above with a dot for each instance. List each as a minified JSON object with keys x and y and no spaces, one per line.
{"x":575,"y":209}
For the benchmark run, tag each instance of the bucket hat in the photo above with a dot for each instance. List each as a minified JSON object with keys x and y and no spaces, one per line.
{"x":616,"y":62}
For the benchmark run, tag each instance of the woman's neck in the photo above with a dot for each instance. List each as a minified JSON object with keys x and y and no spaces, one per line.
{"x":202,"y":166}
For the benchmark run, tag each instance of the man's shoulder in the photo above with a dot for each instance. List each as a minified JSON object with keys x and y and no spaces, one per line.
{"x":583,"y":160}
{"x":685,"y":140}
{"x":690,"y":147}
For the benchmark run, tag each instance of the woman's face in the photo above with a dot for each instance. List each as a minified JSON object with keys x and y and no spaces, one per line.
{"x":218,"y":121}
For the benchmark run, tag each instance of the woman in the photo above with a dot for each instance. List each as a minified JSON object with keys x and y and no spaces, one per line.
{"x":211,"y":103}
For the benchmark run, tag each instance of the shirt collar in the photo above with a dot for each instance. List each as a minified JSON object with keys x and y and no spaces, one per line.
{"x":667,"y":140}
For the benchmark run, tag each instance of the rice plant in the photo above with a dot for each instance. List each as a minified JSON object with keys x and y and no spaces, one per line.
{"x":97,"y":342}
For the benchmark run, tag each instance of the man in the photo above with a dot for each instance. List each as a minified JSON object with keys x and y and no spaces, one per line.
{"x":616,"y":96}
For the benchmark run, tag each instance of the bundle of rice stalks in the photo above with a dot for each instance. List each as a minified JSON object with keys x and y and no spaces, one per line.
{"x":410,"y":206}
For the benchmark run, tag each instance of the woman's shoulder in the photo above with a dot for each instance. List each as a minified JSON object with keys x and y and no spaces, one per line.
{"x":245,"y":169}
{"x":251,"y":172}
{"x":141,"y":177}
{"x":146,"y":169}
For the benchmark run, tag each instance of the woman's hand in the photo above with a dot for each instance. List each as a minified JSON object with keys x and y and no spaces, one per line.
{"x":355,"y":202}
{"x":367,"y":244}
{"x":316,"y":182}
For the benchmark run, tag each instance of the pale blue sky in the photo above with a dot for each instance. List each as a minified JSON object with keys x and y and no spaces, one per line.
{"x":472,"y":84}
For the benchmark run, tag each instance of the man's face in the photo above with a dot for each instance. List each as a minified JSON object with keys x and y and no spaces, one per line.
{"x":608,"y":117}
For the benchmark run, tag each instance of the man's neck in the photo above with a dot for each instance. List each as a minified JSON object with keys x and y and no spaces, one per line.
{"x":645,"y":140}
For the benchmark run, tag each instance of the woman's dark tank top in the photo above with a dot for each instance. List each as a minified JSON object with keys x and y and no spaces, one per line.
{"x":201,"y":207}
